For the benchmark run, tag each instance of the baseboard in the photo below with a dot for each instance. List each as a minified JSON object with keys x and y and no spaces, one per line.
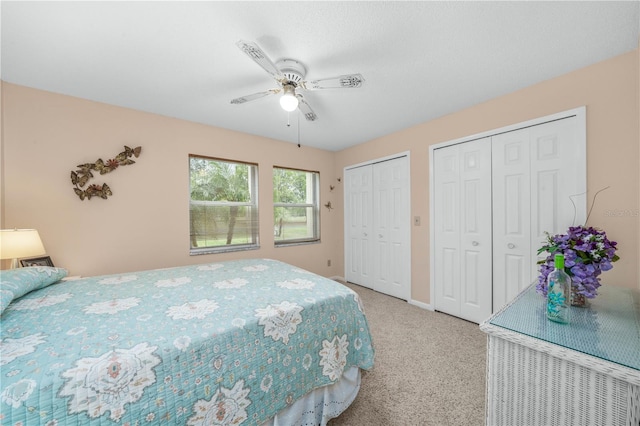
{"x":422,"y":305}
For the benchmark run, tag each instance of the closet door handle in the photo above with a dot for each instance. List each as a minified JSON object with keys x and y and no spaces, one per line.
{"x":379,"y":235}
{"x":475,"y":243}
{"x":365,"y":234}
{"x":511,"y":245}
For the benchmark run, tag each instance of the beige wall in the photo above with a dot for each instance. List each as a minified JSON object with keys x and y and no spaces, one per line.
{"x":145,"y":224}
{"x":608,"y":89}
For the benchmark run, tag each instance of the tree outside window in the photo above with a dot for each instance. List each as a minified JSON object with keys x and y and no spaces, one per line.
{"x":296,"y":210}
{"x":223,"y":206}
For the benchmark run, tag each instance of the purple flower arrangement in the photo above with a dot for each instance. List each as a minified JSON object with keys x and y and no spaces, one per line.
{"x":587,"y":252}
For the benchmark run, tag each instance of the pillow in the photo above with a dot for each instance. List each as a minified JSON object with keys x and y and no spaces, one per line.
{"x":15,"y":283}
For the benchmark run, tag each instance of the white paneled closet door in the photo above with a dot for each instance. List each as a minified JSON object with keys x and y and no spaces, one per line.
{"x":512,"y":258}
{"x":538,"y":178}
{"x":377,"y":226}
{"x":391,"y":220}
{"x":463,"y":252}
{"x":447,"y":229}
{"x":558,"y":185}
{"x":359,"y":225}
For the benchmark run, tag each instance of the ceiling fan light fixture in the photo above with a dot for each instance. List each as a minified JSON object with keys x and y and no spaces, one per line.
{"x":289,"y":101}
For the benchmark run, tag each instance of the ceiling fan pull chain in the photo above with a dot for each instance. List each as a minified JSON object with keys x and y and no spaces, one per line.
{"x":298,"y":129}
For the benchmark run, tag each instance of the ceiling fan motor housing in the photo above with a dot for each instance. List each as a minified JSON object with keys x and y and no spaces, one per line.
{"x":292,"y":70}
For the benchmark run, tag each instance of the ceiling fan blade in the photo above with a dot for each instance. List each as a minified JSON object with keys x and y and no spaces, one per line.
{"x":304,"y":107}
{"x":254,"y":52}
{"x":347,"y":81}
{"x":254,"y":96}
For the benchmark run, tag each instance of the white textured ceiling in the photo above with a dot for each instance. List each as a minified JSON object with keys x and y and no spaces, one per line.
{"x":420,"y":60}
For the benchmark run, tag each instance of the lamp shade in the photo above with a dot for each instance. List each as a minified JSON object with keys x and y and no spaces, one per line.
{"x":19,"y":243}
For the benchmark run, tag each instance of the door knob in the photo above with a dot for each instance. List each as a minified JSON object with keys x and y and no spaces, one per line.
{"x":511,"y":245}
{"x":475,"y":243}
{"x":365,"y":234}
{"x":379,"y":235}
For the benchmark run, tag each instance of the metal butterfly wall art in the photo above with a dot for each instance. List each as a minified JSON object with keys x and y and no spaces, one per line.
{"x":80,"y":177}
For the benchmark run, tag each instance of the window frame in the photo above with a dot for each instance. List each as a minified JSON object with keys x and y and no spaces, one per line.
{"x":252,"y":205}
{"x":314,"y":206}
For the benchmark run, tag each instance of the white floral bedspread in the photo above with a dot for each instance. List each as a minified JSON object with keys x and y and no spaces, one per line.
{"x":214,"y":344}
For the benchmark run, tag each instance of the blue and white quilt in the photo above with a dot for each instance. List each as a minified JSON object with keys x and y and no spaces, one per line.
{"x":225,"y":343}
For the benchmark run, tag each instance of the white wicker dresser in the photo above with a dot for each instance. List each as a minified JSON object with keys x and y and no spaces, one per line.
{"x":589,"y":369}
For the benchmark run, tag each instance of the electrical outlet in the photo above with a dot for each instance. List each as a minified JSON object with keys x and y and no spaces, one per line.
{"x":329,"y":262}
{"x":416,"y":220}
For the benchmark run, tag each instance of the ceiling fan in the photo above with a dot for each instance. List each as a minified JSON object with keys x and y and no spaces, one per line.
{"x":290,"y":75}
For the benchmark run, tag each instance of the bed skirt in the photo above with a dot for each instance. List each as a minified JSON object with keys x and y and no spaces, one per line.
{"x":321,"y":404}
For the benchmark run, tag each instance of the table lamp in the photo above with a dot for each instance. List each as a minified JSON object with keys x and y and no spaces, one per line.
{"x":19,"y":243}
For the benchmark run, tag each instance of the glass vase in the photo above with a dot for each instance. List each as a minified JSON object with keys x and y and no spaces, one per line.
{"x":577,"y":299}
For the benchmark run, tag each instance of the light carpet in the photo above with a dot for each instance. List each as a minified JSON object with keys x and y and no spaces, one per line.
{"x":429,"y":368}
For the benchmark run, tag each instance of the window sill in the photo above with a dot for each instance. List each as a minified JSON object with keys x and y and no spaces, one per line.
{"x":296,"y":243}
{"x":199,"y":252}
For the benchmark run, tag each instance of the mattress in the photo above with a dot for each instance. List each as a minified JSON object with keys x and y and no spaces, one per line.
{"x":223,"y":343}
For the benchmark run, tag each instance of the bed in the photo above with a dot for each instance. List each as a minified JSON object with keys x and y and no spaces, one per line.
{"x":254,"y":342}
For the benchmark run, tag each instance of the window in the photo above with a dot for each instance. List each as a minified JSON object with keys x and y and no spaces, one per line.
{"x":295,"y":206}
{"x":223,"y":208}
